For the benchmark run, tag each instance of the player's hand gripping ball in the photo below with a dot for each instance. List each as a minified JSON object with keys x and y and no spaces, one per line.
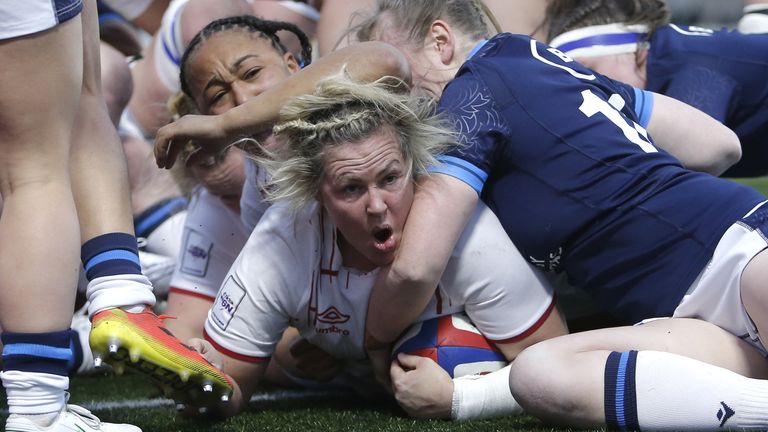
{"x":454,"y":343}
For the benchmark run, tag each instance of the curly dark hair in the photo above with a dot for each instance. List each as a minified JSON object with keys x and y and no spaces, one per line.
{"x":265,"y":28}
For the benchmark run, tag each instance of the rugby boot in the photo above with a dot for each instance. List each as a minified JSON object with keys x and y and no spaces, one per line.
{"x":140,"y":342}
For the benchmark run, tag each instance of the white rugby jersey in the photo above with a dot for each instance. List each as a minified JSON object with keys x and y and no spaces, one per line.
{"x":290,"y":273}
{"x":252,"y":201}
{"x":213,"y":237}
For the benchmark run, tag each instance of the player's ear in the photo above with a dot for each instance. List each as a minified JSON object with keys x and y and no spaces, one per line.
{"x":641,"y":61}
{"x":442,"y":39}
{"x":291,"y":63}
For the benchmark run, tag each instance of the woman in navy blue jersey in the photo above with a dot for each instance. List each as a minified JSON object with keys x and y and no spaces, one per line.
{"x":719,"y":72}
{"x":564,"y":157}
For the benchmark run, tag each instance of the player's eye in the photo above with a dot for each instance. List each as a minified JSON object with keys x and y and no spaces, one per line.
{"x":251,"y":73}
{"x":351,"y":189}
{"x":217,"y":97}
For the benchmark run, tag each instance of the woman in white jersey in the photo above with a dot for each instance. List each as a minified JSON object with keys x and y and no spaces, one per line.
{"x":342,"y":178}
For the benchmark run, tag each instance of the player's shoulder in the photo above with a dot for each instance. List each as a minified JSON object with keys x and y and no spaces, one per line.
{"x":287,"y":234}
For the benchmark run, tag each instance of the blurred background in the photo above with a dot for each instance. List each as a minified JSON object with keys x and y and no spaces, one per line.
{"x":706,"y":13}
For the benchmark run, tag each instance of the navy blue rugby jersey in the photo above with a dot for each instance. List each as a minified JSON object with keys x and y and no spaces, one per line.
{"x":724,"y":74}
{"x":556,"y":151}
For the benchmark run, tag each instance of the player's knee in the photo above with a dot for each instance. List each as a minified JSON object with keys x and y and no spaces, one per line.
{"x":534,"y":375}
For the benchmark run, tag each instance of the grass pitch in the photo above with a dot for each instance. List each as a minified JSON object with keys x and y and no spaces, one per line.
{"x":132,"y":399}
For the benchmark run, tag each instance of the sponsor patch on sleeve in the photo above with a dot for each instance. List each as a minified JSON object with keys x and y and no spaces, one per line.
{"x":197,"y":254}
{"x":226,"y":303}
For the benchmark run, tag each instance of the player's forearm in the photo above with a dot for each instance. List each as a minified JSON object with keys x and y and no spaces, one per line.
{"x":245,"y":377}
{"x":441,"y":208}
{"x":366,"y":62}
{"x":700,"y":142}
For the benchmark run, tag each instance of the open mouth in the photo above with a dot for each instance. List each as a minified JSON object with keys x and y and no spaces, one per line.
{"x":383,"y":234}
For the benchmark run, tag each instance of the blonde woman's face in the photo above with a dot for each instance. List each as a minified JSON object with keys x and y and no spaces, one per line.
{"x":368,"y":193}
{"x":233,"y":66}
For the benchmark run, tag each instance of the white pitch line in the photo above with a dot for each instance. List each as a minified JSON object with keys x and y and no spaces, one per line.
{"x":162,"y":402}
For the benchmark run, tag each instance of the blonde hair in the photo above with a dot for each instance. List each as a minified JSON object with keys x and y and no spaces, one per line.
{"x":345,"y":111}
{"x":412,"y":18}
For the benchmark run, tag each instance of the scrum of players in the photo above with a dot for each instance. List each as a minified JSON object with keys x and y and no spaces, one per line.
{"x":300,"y":182}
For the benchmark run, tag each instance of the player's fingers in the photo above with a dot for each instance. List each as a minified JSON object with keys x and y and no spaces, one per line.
{"x":200,"y":345}
{"x":162,"y":146}
{"x":396,"y":371}
{"x":408,"y":361}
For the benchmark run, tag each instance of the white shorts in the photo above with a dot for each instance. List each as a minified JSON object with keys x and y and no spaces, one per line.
{"x":25,"y":17}
{"x":715,"y":296}
{"x":169,"y":46}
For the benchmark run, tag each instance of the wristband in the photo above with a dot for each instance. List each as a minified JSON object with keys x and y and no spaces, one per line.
{"x":483,"y":396}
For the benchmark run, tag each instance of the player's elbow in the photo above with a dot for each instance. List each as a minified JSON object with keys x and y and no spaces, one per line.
{"x":731,"y":152}
{"x":414,"y":276}
{"x":726,"y":152}
{"x":383,"y":59}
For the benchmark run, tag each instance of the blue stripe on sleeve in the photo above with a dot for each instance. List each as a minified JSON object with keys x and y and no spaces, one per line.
{"x":462,"y":170}
{"x":643,"y":106}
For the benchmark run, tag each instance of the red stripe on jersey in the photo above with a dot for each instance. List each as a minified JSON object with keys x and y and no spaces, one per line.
{"x":186,"y":292}
{"x":531,"y":329}
{"x":234,"y":355}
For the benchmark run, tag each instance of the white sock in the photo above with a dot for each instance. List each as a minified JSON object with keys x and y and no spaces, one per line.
{"x":34,"y":392}
{"x":680,"y":393}
{"x":131,"y":292}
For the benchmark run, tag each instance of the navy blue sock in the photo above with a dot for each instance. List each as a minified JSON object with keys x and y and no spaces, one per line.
{"x":620,"y":399}
{"x":38,"y":352}
{"x":110,"y":254}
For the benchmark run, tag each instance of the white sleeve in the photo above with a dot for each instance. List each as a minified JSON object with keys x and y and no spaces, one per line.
{"x":252,"y":307}
{"x":212,"y":238}
{"x":169,"y":46}
{"x":252,"y":202}
{"x":504,"y":296}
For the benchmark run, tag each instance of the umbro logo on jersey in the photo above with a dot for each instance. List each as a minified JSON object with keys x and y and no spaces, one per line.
{"x":724,"y":413}
{"x":332,"y":316}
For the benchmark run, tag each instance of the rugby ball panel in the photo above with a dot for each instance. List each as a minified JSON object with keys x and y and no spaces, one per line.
{"x":454,"y":343}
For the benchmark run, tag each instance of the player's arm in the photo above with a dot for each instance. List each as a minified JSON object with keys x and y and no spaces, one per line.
{"x":441,"y":208}
{"x":366,"y":61}
{"x":246,"y":377}
{"x":699,"y":141}
{"x":424,"y":390}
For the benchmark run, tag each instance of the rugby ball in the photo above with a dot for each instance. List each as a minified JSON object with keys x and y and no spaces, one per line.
{"x":453,"y":342}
